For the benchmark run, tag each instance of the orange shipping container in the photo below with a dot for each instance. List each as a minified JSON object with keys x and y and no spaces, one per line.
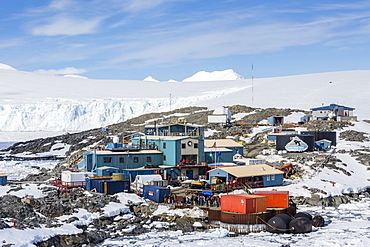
{"x":275,"y":199}
{"x":238,"y":203}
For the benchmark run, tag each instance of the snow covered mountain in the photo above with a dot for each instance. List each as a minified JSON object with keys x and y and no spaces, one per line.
{"x":4,"y":66}
{"x":225,"y":75}
{"x":36,"y":102}
{"x":149,"y":78}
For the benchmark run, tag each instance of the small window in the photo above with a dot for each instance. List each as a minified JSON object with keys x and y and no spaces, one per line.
{"x":107,"y":159}
{"x":164,"y":157}
{"x":148,"y":159}
{"x":183,"y":145}
{"x":195,"y":145}
{"x":164,"y":145}
{"x":272,"y":177}
{"x":136,"y":159}
{"x":121,"y":160}
{"x":268,"y":177}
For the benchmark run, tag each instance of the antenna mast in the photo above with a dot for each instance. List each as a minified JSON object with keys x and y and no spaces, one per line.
{"x":170,"y":106}
{"x":252,"y":88}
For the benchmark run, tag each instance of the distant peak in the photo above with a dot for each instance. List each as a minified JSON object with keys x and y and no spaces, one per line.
{"x":149,"y":78}
{"x":76,"y":76}
{"x":4,"y":66}
{"x":224,"y":75}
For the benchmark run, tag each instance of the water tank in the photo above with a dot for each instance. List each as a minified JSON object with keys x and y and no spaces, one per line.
{"x":118,"y":176}
{"x":300,"y":225}
{"x":279,"y":223}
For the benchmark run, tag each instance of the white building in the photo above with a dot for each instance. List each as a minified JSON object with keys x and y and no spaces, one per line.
{"x":333,"y":111}
{"x":220,"y":116}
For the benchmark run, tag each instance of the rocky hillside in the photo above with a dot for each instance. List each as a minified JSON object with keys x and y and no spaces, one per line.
{"x":81,"y":140}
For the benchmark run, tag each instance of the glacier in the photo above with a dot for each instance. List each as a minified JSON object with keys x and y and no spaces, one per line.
{"x":36,"y":102}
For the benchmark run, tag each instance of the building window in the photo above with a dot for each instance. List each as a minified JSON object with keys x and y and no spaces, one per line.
{"x":268,"y":177}
{"x":136,"y":159}
{"x":183,"y":145}
{"x":195,"y":145}
{"x":107,"y":159}
{"x":272,"y":177}
{"x":121,"y":160}
{"x":164,"y":157}
{"x":164,"y":145}
{"x":148,"y":159}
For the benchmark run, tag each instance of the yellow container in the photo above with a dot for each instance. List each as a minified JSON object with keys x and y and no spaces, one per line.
{"x":118,"y":176}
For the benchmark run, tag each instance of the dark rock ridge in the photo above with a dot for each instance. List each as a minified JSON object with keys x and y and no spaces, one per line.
{"x":135,"y":219}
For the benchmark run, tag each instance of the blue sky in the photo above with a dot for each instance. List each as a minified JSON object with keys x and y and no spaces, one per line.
{"x":173,"y":39}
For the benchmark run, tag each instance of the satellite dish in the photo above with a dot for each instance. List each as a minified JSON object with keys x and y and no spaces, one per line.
{"x":116,"y":139}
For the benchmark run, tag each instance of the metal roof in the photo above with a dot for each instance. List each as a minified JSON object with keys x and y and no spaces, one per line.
{"x":331,"y":107}
{"x":251,"y":170}
{"x":172,"y":124}
{"x":211,"y":150}
{"x":166,"y":138}
{"x":221,"y":143}
{"x":144,"y":151}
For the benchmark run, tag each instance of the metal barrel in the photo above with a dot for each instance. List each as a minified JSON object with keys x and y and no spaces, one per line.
{"x":279,"y":223}
{"x":318,"y":221}
{"x":303,"y":214}
{"x":300,"y":225}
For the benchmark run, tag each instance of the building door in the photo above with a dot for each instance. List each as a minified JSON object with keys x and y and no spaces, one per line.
{"x":189,"y":174}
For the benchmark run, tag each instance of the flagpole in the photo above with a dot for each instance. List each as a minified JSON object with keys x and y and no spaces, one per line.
{"x":215,"y":155}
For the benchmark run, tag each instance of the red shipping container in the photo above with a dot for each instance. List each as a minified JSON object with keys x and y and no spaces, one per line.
{"x":238,"y":203}
{"x":275,"y":199}
{"x":261,"y":202}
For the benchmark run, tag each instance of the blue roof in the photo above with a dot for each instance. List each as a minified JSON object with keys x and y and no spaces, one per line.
{"x":331,"y":107}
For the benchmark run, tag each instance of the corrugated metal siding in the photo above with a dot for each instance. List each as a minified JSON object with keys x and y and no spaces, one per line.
{"x":275,"y":199}
{"x":235,"y":218}
{"x":238,"y":203}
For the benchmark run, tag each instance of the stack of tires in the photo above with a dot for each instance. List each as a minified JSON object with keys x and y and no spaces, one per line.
{"x":301,"y":223}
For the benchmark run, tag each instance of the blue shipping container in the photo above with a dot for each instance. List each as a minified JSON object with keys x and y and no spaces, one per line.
{"x":155,"y":193}
{"x":3,"y":180}
{"x":116,"y":186}
{"x":98,"y":184}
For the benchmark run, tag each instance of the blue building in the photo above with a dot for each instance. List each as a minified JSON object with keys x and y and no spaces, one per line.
{"x":175,"y":149}
{"x":276,"y":120}
{"x":323,"y":145}
{"x":306,"y":118}
{"x":260,"y":175}
{"x":120,"y":159}
{"x":176,"y":129}
{"x":216,"y":155}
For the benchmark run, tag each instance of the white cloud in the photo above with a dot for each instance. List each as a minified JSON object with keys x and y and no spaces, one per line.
{"x":68,"y":26}
{"x":245,"y":40}
{"x":139,"y":5}
{"x":60,"y":4}
{"x":65,"y":71}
